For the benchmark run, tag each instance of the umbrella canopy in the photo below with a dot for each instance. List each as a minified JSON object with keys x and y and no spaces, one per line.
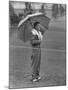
{"x":24,"y":31}
{"x":42,"y":19}
{"x":25,"y":26}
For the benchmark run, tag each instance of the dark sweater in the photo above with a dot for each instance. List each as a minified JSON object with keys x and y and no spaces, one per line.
{"x":35,"y":41}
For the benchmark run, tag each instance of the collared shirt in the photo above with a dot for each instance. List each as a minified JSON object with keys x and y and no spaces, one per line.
{"x":38,"y":33}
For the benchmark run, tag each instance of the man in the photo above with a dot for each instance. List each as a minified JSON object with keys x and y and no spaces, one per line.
{"x":37,"y":37}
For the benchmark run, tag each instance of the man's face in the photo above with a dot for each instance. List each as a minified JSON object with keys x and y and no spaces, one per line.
{"x":41,"y":28}
{"x":38,"y":27}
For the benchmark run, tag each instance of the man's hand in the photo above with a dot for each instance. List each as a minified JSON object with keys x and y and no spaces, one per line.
{"x":36,"y":41}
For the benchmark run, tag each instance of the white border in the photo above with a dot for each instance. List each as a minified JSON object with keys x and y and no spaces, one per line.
{"x":4,"y":44}
{"x":45,"y":1}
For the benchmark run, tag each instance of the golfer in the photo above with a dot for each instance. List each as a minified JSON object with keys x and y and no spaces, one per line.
{"x":37,"y":37}
{"x":35,"y":26}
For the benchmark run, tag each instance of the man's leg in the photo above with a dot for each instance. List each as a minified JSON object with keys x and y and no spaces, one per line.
{"x":36,"y":57}
{"x":39,"y":61}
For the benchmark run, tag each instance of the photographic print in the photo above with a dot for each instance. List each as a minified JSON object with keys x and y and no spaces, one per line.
{"x":37,"y":44}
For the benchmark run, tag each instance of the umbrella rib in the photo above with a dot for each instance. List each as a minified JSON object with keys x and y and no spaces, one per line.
{"x":28,"y":16}
{"x":24,"y":32}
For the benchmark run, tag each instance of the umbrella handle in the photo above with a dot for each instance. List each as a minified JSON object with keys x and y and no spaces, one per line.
{"x":30,"y":22}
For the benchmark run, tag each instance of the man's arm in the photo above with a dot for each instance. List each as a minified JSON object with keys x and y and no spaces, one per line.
{"x":42,"y":29}
{"x":34,"y":41}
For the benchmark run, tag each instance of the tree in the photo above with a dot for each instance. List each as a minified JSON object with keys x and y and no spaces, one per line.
{"x":28,"y":9}
{"x":12,"y":16}
{"x":42,"y":9}
{"x":61,"y":10}
{"x":54,"y":10}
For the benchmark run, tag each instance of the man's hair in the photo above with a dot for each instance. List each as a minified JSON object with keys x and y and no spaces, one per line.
{"x":36,"y":24}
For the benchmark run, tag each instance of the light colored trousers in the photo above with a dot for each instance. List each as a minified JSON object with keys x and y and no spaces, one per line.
{"x":36,"y":60}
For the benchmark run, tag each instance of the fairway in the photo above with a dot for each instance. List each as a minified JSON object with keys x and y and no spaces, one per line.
{"x":53,"y":58}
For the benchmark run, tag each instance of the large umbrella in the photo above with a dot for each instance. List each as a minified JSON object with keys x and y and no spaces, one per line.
{"x":25,"y":25}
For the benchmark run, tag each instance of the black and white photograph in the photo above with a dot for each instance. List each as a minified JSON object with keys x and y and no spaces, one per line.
{"x":37,"y":44}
